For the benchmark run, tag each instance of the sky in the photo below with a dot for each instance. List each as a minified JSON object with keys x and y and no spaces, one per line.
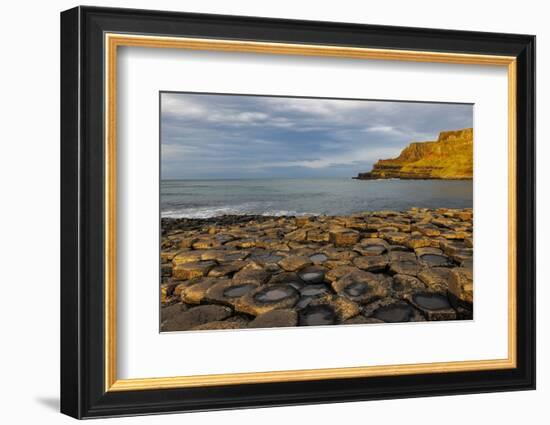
{"x":213,"y":136}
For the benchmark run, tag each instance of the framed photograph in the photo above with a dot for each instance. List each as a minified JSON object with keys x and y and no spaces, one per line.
{"x":261,"y":212}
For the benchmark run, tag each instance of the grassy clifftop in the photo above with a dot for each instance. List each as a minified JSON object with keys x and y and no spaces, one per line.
{"x":449,"y":157}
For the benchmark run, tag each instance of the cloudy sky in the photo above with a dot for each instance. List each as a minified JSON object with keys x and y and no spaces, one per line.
{"x":206,"y":136}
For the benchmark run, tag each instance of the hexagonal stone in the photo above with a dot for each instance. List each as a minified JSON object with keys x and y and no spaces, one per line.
{"x":195,"y":316}
{"x":344,"y":237}
{"x":434,"y":306}
{"x":404,"y":267}
{"x":375,"y":263}
{"x":436,"y":278}
{"x":396,"y":312}
{"x":294,"y":262}
{"x":403,"y":284}
{"x":427,"y":229}
{"x":317,"y":235}
{"x":318,"y":315}
{"x":186,"y":257}
{"x":226,"y":268}
{"x":370,"y":250}
{"x":185,"y":271}
{"x":206,"y":243}
{"x":461,"y":285}
{"x":167,"y":255}
{"x":395,"y":238}
{"x":318,"y":258}
{"x":228,"y":292}
{"x":362,"y":287}
{"x":168,"y":311}
{"x":312,"y":274}
{"x":194,"y":293}
{"x":417,"y":242}
{"x":361,"y":320}
{"x":275,"y":319}
{"x":297,"y":235}
{"x":267,"y":298}
{"x":339,"y":272}
{"x":255,"y":276}
{"x":290,"y":278}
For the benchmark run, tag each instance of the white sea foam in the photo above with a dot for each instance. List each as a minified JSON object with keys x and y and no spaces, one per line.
{"x":242,"y":209}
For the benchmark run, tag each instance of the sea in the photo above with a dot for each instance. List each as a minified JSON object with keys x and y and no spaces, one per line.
{"x":320,"y":196}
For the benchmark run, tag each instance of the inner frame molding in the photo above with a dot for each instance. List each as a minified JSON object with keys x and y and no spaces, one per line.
{"x":114,"y":40}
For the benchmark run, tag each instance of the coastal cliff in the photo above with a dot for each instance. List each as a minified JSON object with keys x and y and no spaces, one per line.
{"x":449,"y":157}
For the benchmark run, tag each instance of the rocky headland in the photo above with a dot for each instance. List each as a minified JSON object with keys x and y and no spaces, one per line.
{"x":449,"y":157}
{"x":242,"y":272}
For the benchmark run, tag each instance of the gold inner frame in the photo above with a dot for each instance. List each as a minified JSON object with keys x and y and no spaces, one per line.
{"x":113,"y":41}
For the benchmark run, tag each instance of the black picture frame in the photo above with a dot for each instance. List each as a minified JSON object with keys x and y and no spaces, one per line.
{"x":83,"y":392}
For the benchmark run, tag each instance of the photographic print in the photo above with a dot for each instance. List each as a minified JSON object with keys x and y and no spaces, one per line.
{"x":289,"y":211}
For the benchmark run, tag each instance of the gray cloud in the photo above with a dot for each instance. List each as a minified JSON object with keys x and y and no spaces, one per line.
{"x":233,"y":136}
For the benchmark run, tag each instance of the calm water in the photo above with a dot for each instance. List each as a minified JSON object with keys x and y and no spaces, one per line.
{"x":331,"y":196}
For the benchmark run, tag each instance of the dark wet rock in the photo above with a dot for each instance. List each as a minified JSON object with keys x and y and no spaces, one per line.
{"x":185,"y":271}
{"x":166,"y":269}
{"x":275,"y":319}
{"x":289,"y":278}
{"x":267,"y":298}
{"x":294,"y":263}
{"x":362,"y":287}
{"x":318,"y":258}
{"x":375,"y":263}
{"x":328,"y":309}
{"x":195,"y":316}
{"x":267,"y":260}
{"x":434,"y":306}
{"x":233,"y":322}
{"x":404,"y":267}
{"x":166,"y":312}
{"x":228,"y":291}
{"x":370,"y":250}
{"x":435,"y":260}
{"x":226,"y":268}
{"x":254,"y":276}
{"x":468,"y":264}
{"x":312,"y":274}
{"x":361,"y":320}
{"x":314,"y":290}
{"x":394,"y":313}
{"x":318,"y":315}
{"x":229,"y":256}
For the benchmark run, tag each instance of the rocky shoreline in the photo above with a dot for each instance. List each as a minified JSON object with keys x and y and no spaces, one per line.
{"x":450,"y":157}
{"x":242,"y":272}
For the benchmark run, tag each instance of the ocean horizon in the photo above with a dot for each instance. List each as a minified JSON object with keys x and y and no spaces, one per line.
{"x":207,"y":198}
